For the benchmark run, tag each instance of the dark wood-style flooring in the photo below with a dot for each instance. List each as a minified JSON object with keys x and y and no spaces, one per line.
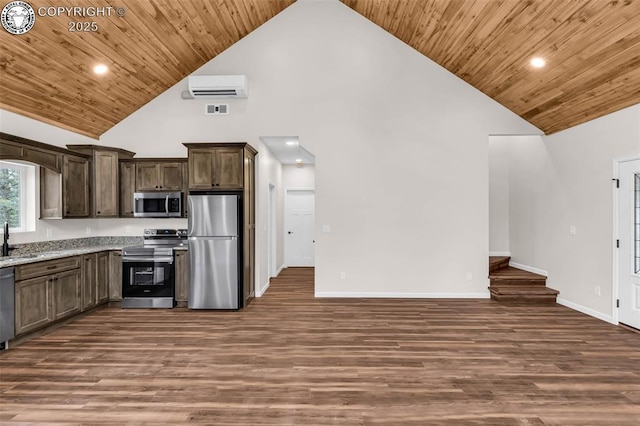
{"x":292,"y":359}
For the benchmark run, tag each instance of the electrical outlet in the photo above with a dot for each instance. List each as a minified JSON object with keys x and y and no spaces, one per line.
{"x":596,"y":290}
{"x":469,"y":276}
{"x":343,"y":275}
{"x":49,"y":232}
{"x":88,"y":230}
{"x":572,"y":230}
{"x":127,"y":229}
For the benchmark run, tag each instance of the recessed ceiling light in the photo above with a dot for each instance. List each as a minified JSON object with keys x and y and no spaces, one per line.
{"x":538,"y":62}
{"x":298,"y":160}
{"x":100,"y":69}
{"x":292,"y":143}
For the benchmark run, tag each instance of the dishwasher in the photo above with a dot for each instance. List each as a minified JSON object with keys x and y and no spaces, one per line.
{"x":7,"y":307}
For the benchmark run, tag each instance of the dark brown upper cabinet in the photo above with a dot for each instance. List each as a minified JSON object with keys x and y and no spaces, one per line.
{"x":217,"y":166}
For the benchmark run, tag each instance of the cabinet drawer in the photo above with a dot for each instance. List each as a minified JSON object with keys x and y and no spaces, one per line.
{"x":47,"y":267}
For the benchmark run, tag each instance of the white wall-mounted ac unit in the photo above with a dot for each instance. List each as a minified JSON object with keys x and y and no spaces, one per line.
{"x":218,"y":86}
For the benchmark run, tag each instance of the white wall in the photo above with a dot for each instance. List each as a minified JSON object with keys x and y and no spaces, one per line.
{"x":269,"y":172}
{"x":295,"y":177}
{"x":499,"y":195}
{"x":400,"y":143}
{"x":564,"y":180}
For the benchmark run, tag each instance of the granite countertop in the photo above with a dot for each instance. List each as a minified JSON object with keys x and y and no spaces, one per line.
{"x":24,"y":259}
{"x":48,"y":250}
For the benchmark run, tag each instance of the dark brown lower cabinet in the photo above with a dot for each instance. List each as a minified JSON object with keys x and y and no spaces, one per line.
{"x":47,"y":298}
{"x":102,"y":277}
{"x":52,"y":290}
{"x":115,"y":275}
{"x":182,"y":277}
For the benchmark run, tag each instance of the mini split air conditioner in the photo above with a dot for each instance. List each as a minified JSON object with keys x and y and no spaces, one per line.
{"x":218,"y":86}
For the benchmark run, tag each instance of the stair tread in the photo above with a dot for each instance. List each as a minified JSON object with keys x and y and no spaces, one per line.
{"x":512,"y":273}
{"x":498,"y":262}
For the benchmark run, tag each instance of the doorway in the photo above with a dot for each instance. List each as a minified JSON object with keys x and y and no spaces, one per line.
{"x":300,"y":227}
{"x":629,"y":243}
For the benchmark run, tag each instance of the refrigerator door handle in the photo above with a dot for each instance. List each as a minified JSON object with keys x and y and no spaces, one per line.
{"x":213,"y":238}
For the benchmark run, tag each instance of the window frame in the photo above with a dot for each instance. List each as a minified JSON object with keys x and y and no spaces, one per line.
{"x":27,"y":190}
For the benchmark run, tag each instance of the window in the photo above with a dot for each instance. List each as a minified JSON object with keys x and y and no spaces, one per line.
{"x":17,"y":196}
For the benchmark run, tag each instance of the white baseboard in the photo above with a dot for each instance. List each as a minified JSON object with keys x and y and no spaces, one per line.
{"x":529,"y":268}
{"x":362,"y":295}
{"x":263,"y":290}
{"x":500,"y":253}
{"x":587,"y":311}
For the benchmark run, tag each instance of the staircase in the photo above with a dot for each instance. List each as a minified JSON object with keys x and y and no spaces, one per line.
{"x":512,"y":285}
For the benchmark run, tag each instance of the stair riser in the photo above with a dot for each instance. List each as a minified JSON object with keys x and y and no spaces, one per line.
{"x":524,"y":299}
{"x":517,"y":282}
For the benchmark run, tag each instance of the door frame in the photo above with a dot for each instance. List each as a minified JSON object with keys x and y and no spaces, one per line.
{"x":616,"y":234}
{"x":286,"y":217}
{"x":272,"y":231}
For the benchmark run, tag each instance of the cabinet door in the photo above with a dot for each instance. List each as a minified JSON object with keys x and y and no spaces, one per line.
{"x":88,"y":281}
{"x":127,"y":188}
{"x":66,"y":293}
{"x":50,"y":194}
{"x":170,"y":176}
{"x":115,"y":275}
{"x":182,"y":275}
{"x":147,"y":177}
{"x":102,"y":277}
{"x":75,"y":187}
{"x":228,"y":168}
{"x":105,"y":188}
{"x":201,"y":163}
{"x":34,"y":307}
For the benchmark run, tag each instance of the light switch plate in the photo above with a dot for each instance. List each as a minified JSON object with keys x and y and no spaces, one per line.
{"x":326,"y":229}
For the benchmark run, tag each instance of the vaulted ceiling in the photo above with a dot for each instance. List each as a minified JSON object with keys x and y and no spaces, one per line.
{"x":592,"y":50}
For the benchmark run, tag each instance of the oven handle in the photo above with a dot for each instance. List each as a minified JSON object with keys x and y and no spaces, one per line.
{"x":157,"y":259}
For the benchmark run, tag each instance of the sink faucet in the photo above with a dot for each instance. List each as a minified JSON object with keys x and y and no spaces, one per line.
{"x":5,"y":245}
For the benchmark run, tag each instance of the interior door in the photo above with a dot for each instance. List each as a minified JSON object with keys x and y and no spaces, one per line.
{"x":629,"y":235}
{"x":300,"y":227}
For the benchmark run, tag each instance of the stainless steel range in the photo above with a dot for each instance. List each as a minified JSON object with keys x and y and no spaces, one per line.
{"x":148,"y":272}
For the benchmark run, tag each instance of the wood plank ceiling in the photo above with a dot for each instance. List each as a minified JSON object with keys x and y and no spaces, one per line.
{"x":592,"y":48}
{"x":46,"y":73}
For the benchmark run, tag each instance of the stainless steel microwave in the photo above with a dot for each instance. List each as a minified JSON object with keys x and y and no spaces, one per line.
{"x":157,"y":204}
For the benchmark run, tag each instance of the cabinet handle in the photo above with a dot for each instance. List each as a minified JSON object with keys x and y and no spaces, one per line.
{"x":156,"y":186}
{"x":51,"y":267}
{"x":99,"y":212}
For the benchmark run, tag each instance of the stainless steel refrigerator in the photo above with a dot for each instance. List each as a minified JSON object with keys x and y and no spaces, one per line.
{"x":214,"y":245}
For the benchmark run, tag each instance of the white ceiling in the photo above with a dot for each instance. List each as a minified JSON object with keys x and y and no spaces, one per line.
{"x":287,"y":149}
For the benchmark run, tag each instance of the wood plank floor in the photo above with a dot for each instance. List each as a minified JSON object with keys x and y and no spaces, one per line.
{"x":292,"y":359}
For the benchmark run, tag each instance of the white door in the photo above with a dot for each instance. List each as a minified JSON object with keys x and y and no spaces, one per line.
{"x":299,"y":227}
{"x":629,"y":253}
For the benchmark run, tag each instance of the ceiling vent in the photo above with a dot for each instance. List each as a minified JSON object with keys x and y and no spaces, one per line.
{"x":216,"y":109}
{"x":218,"y":86}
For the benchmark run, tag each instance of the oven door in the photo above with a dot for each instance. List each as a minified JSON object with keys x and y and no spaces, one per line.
{"x":147,"y":277}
